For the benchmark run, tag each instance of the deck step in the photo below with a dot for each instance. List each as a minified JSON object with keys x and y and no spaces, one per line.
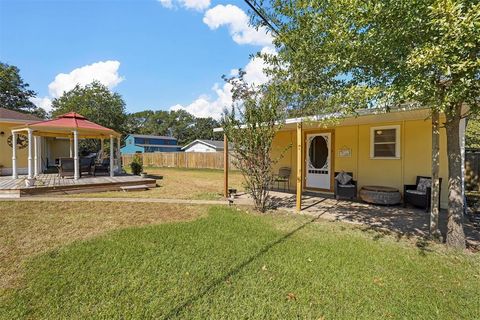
{"x":135,"y":188}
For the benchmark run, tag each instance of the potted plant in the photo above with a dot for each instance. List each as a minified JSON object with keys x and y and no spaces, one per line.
{"x":30,"y":182}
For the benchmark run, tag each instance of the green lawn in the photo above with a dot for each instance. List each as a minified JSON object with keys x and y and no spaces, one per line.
{"x":231,"y":264}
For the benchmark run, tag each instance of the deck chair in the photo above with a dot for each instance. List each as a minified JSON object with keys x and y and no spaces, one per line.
{"x":283,"y":176}
{"x":66,"y":167}
{"x":87,"y":165}
{"x":103,"y":167}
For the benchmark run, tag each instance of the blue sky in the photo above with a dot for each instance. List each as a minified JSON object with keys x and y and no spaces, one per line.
{"x":161,"y":53}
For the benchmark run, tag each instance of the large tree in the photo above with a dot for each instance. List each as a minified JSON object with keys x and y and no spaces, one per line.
{"x":359,"y":53}
{"x":15,"y":93}
{"x":472,"y":135}
{"x":98,"y":104}
{"x":95,"y":102}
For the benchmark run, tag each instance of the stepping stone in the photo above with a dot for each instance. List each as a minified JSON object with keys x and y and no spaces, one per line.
{"x":141,"y":187}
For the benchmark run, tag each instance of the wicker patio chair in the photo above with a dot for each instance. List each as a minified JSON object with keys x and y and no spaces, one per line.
{"x":87,"y":165}
{"x":348,"y":190}
{"x":418,"y":196}
{"x":283,"y":176}
{"x":103,"y":167}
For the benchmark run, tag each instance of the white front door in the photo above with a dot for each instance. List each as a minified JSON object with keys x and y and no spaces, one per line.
{"x":318,"y":162}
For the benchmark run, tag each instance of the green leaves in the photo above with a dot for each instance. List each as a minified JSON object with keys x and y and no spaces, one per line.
{"x":393,"y":51}
{"x":94,"y":101}
{"x":14,"y":92}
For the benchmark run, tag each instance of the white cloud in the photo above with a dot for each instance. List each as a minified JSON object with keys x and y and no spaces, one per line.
{"x":44,"y":103}
{"x":106,"y":72}
{"x":166,"y":3}
{"x":208,"y":106}
{"x":238,"y":25}
{"x":198,"y":5}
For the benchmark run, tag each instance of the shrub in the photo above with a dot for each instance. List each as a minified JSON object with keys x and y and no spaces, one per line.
{"x":136,"y":165}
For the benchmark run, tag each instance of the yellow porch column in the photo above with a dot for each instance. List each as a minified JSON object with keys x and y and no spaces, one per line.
{"x":299,"y":166}
{"x":225,"y":165}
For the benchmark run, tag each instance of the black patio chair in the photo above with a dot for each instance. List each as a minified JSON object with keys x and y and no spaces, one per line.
{"x":66,"y":167}
{"x":420,"y":196}
{"x":103,"y":167}
{"x":347,"y":190}
{"x":87,"y":165}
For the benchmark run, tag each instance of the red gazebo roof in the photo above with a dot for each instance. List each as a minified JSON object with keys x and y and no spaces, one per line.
{"x":67,"y":123}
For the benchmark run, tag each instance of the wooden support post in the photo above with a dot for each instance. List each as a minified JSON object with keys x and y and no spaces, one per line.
{"x":14,"y":156}
{"x":225,"y":164}
{"x":299,"y":166}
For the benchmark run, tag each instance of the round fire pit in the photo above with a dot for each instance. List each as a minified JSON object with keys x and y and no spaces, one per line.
{"x":380,"y":195}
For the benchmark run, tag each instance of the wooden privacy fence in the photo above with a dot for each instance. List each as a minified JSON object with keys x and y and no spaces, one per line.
{"x":193,"y":160}
{"x":472,"y":170}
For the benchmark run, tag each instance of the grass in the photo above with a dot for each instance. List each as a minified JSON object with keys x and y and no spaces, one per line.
{"x":31,"y":228}
{"x":198,"y":184}
{"x":230,"y":264}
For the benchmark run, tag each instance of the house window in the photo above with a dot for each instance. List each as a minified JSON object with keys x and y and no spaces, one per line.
{"x":385,"y":142}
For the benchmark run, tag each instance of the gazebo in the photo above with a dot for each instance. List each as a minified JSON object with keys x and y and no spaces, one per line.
{"x":72,"y":126}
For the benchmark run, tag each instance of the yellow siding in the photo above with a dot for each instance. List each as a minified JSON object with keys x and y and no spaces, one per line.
{"x":54,"y":148}
{"x":57,"y":148}
{"x":415,"y":155}
{"x":6,"y":150}
{"x":285,"y":142}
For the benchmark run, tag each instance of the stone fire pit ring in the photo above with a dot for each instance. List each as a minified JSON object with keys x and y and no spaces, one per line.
{"x":380,"y":195}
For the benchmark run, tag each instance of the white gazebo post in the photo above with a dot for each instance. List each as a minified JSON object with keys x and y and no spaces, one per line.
{"x":35,"y":150}
{"x":76,"y":165}
{"x":14,"y":155}
{"x":111,"y":156}
{"x":119,"y":158}
{"x":30,"y":151}
{"x":71,"y":147}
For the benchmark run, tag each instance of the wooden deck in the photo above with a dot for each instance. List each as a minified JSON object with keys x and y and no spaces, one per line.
{"x":53,"y":184}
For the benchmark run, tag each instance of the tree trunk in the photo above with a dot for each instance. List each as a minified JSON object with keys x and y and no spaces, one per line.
{"x":455,"y":233}
{"x":435,"y":196}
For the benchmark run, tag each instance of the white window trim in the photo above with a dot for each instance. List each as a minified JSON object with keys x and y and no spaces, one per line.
{"x":397,"y":142}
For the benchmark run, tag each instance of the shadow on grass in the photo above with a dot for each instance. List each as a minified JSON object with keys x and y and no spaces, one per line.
{"x":179,"y":309}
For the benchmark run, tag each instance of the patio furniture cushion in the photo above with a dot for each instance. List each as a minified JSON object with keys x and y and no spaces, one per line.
{"x":419,"y":194}
{"x":416,"y":192}
{"x":343,"y":178}
{"x":348,"y":186}
{"x":347,"y":190}
{"x":423,"y":184}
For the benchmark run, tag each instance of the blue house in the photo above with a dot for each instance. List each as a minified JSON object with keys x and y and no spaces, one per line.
{"x":139,"y":143}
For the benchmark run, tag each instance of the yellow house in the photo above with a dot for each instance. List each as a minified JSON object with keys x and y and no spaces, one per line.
{"x":51,"y":148}
{"x":380,"y":148}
